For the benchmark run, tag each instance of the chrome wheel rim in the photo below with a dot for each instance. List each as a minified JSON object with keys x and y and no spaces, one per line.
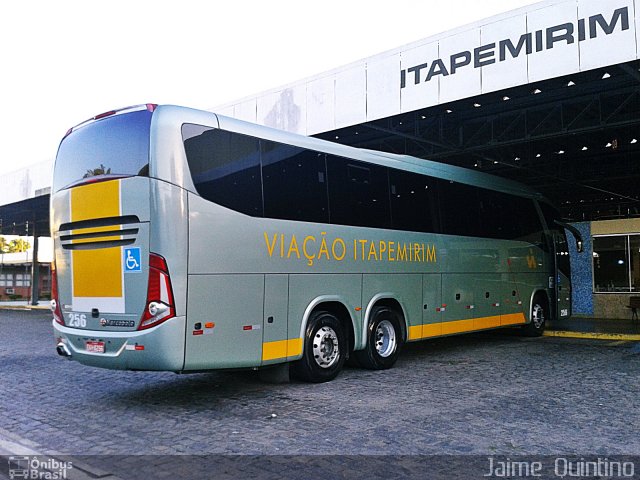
{"x":385,"y":339}
{"x":326,"y":350}
{"x":537,"y":316}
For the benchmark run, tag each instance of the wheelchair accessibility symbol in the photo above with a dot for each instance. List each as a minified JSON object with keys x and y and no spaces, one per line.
{"x":132,"y":260}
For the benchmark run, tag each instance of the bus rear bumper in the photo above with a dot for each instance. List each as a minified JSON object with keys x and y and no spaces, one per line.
{"x":158,"y":348}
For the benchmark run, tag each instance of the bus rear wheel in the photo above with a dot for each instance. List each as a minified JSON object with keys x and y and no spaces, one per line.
{"x":324,"y":349}
{"x":535,"y":328}
{"x":384,"y":340}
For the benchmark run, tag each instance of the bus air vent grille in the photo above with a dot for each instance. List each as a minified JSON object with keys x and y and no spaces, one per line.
{"x":99,"y":233}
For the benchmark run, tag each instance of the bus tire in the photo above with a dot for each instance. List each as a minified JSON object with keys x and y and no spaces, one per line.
{"x":535,"y":328}
{"x":384,"y":340}
{"x":324,"y":349}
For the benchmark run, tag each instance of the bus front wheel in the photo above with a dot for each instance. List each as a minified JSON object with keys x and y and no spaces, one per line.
{"x":384,"y":340}
{"x":535,"y":328}
{"x":325,"y":349}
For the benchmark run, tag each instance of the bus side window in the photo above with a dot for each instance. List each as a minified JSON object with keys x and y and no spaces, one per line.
{"x":225,"y":168}
{"x":527,"y":224}
{"x":460,"y":209}
{"x":358,"y":193}
{"x":413,"y":201}
{"x":294,"y":182}
{"x":511,"y":217}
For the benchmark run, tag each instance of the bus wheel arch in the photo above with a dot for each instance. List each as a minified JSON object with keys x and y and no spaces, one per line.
{"x":389,"y":302}
{"x":539,"y":314}
{"x":384,"y":335}
{"x":327,"y":340}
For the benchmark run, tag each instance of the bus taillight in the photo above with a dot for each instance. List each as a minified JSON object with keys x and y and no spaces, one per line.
{"x":55,"y":302}
{"x":159,"y":306}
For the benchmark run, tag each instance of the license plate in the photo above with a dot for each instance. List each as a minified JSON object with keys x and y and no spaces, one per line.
{"x":95,"y":347}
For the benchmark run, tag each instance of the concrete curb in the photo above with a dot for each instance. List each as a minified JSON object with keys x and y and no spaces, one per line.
{"x":628,"y":337}
{"x":25,"y":307}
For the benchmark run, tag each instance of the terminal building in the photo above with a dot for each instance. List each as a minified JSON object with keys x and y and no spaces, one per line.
{"x":547,"y":95}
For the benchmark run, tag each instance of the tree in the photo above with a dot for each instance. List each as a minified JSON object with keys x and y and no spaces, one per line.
{"x":101,"y":170}
{"x":18,"y":245}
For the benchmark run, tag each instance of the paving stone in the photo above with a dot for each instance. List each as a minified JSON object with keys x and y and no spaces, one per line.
{"x":485,"y":394}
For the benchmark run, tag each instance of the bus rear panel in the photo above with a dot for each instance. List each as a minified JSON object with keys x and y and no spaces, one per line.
{"x":113,"y":289}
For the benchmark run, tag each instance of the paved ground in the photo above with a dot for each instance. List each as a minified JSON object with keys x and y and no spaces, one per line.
{"x":489,"y":394}
{"x":627,"y":327}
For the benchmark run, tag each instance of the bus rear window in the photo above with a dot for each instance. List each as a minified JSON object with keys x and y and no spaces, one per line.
{"x":116,"y":145}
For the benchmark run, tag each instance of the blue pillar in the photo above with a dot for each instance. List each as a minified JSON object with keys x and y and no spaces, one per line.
{"x":582,"y":271}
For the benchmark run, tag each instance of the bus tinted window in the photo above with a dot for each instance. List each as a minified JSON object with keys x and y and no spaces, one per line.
{"x":492,"y":218}
{"x":413,"y":201}
{"x":523,"y":215}
{"x":460,"y":209}
{"x":264,"y":178}
{"x":294,"y":182}
{"x":508,"y":217}
{"x":551,"y":215}
{"x":358,"y":193}
{"x":225,"y":168}
{"x":116,"y":145}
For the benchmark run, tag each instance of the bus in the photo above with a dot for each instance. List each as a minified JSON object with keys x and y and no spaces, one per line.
{"x":187,"y":241}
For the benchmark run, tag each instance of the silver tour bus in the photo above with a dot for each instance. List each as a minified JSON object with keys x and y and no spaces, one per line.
{"x":188,"y":241}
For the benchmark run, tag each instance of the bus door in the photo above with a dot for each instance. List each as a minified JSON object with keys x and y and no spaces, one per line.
{"x":562,"y":281}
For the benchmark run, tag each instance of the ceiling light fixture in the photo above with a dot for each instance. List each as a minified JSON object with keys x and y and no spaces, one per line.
{"x":571,"y":83}
{"x":635,"y":140}
{"x":537,"y":91}
{"x":585,"y":148}
{"x":506,"y":97}
{"x":605,"y":76}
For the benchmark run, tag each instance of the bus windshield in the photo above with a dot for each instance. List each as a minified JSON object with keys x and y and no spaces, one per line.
{"x":117,"y":145}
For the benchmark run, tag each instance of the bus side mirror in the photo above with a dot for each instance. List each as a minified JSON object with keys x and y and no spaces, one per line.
{"x":576,"y":234}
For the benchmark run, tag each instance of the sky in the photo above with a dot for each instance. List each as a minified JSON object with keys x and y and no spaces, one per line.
{"x":64,"y":61}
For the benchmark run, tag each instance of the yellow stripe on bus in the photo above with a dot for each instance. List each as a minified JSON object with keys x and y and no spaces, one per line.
{"x":95,"y":200}
{"x":96,"y":273}
{"x":458,"y":326}
{"x":486,"y":322}
{"x":512,"y":319}
{"x":281,"y":349}
{"x":429,"y":330}
{"x":416,"y":332}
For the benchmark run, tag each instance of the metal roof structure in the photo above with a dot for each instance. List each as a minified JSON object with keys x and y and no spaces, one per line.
{"x":26,"y":217}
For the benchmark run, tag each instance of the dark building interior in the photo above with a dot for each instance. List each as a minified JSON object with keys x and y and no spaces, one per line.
{"x":576,"y":138}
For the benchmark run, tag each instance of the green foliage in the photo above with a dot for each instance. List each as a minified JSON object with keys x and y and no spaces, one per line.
{"x":14,"y":246}
{"x":101,"y":170}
